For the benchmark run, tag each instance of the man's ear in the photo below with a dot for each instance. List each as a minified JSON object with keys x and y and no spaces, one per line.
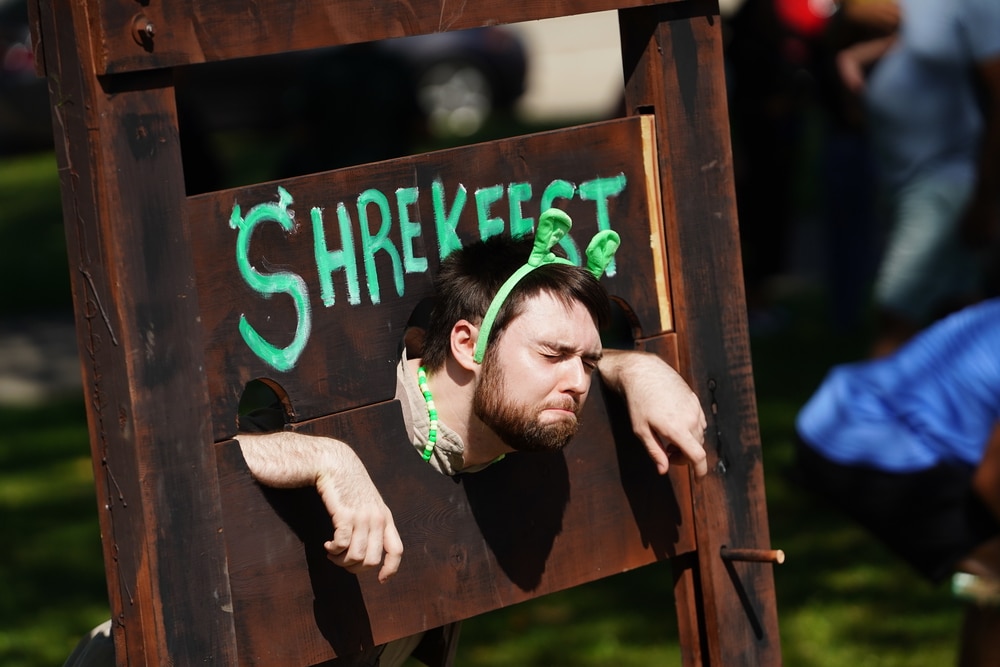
{"x":464,"y":335}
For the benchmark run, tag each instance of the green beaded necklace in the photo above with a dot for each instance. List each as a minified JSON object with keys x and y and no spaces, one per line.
{"x":432,"y":414}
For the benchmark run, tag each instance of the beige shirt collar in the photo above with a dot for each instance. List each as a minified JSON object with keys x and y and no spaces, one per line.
{"x":448,"y":451}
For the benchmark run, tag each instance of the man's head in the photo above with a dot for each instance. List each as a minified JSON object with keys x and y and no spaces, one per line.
{"x":470,"y":277}
{"x":542,"y":347}
{"x":535,"y":379}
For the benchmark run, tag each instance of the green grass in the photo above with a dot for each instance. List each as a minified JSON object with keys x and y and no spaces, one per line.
{"x":51,"y":573}
{"x":843,"y":601}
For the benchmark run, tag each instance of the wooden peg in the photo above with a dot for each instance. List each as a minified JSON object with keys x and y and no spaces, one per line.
{"x":776,"y":556}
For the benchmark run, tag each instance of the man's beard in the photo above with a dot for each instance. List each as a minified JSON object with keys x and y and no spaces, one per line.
{"x":515,"y":423}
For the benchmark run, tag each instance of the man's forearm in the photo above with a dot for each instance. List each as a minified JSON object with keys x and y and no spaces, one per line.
{"x":618,"y":366}
{"x":286,"y":459}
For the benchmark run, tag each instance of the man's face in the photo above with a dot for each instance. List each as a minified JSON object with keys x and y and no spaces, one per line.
{"x":535,"y":381}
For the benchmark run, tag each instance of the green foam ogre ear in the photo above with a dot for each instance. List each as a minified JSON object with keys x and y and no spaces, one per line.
{"x":553,"y":225}
{"x":601,"y":250}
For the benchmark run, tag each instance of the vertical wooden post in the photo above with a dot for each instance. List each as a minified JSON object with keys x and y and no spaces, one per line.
{"x":137,"y":321}
{"x":672,"y":58}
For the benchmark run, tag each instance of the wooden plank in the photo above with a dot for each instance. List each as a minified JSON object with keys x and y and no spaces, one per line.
{"x":383,"y":266}
{"x":687,"y":593}
{"x":136,"y":312}
{"x":672,"y":57}
{"x":186,"y":32}
{"x":654,"y":203}
{"x":527,"y":526}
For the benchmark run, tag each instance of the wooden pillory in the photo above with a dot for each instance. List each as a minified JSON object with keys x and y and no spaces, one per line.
{"x":204,"y":566}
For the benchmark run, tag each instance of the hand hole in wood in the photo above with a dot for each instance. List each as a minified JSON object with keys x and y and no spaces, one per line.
{"x":264,"y":407}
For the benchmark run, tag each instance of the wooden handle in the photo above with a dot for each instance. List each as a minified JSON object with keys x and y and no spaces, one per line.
{"x":755,"y":555}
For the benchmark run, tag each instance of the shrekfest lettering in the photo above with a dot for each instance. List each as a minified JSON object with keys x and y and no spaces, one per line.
{"x":376,"y":207}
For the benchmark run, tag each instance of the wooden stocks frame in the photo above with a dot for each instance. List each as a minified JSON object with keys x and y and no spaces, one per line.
{"x":205,"y":565}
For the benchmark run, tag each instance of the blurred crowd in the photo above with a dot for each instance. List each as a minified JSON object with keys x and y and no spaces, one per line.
{"x":900,"y":103}
{"x":889,"y":109}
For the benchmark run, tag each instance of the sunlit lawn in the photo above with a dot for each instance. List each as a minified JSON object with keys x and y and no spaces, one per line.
{"x":842,"y":600}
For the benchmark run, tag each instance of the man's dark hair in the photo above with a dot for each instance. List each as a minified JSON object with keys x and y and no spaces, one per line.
{"x":469,"y":278}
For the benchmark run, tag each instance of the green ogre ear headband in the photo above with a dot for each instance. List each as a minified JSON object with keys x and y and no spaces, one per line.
{"x":553,"y":224}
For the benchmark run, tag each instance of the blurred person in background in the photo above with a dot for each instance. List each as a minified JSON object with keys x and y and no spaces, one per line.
{"x":846,"y":188}
{"x":908,"y":445}
{"x":932,"y":94}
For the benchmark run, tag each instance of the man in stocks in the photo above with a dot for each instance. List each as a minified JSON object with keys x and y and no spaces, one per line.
{"x":496,"y":320}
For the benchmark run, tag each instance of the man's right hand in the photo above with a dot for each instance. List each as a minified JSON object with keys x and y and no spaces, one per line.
{"x":363,"y":529}
{"x":364,"y":534}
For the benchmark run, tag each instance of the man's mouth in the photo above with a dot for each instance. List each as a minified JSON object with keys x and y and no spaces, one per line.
{"x":565,"y":408}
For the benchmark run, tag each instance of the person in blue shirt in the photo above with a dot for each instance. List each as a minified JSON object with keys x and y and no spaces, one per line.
{"x":906,"y":444}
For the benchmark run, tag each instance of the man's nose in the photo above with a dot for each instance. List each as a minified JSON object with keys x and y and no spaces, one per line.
{"x":576,"y":379}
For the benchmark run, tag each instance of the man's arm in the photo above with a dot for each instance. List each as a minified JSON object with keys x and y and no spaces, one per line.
{"x":854,"y":62}
{"x":363,"y":529}
{"x":665,"y":413}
